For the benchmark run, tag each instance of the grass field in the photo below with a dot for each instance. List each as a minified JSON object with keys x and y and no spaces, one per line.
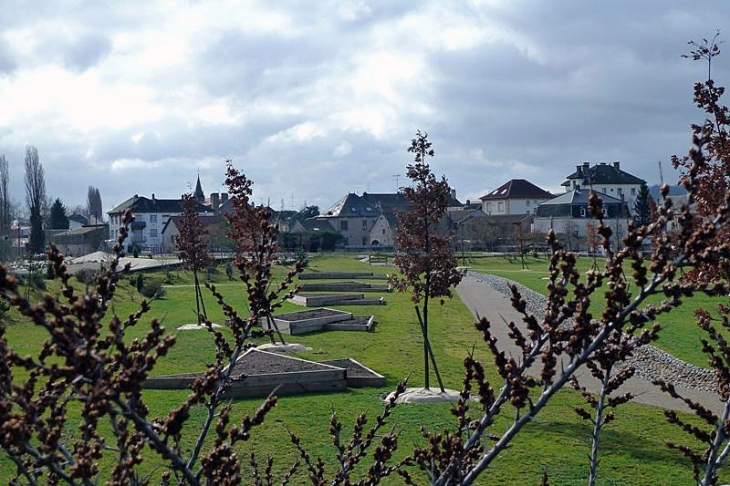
{"x":633,"y":450}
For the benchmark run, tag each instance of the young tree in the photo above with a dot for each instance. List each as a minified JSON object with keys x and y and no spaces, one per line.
{"x":425,"y":257}
{"x":712,"y":179}
{"x":193,"y":248}
{"x":35,"y":195}
{"x":641,"y":206}
{"x":256,"y":239}
{"x":58,"y":219}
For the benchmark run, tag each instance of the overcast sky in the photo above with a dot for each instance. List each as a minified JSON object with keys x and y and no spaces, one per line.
{"x":316,"y":99}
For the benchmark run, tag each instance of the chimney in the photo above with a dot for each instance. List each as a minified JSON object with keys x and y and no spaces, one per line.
{"x":153,"y":196}
{"x":579,"y":170}
{"x":224,"y":197}
{"x":453,"y":194}
{"x":586,"y":166}
{"x":617,"y":165}
{"x":214,"y":202}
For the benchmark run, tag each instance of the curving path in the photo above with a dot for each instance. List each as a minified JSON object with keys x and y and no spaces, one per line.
{"x":483,"y":300}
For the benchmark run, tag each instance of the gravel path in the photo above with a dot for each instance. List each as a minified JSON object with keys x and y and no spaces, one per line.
{"x":488,"y":295}
{"x":650,"y":362}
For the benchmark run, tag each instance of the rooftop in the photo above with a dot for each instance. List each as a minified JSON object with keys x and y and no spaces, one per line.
{"x":517,"y":189}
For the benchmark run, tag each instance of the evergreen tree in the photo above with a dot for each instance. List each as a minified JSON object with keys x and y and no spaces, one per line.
{"x":641,"y":206}
{"x":59,"y":220}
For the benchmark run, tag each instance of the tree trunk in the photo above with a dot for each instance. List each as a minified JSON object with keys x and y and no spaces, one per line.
{"x":197,"y":294}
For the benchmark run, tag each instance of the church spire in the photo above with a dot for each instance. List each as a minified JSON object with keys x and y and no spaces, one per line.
{"x":199,"y":195}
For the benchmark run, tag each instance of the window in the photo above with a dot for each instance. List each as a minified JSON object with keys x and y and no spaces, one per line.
{"x":364,"y":241}
{"x":153,"y":218}
{"x":582,"y":212}
{"x":365,"y":224}
{"x":489,"y":208}
{"x":527,"y":202}
{"x":633,"y":191}
{"x":153,"y":233}
{"x":343,"y":225}
{"x":605,"y":190}
{"x":500,"y":207}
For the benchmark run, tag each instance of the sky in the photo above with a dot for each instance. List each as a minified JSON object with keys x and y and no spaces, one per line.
{"x":315,"y":99}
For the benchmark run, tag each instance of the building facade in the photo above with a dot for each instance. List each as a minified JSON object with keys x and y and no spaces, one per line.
{"x":516,"y":196}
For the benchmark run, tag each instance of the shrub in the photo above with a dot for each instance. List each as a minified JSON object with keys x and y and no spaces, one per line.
{"x":152,"y":289}
{"x":87,"y":275}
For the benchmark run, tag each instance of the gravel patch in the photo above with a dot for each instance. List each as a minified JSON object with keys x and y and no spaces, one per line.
{"x":650,"y":362}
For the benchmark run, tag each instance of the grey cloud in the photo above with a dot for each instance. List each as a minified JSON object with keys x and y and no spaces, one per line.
{"x":8,"y":63}
{"x":86,"y":51}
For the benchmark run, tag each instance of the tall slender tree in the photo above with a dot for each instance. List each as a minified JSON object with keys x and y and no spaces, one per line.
{"x":425,"y":257}
{"x":35,"y":195}
{"x":194,"y":250}
{"x":5,"y":205}
{"x":93,"y":203}
{"x":5,"y":209}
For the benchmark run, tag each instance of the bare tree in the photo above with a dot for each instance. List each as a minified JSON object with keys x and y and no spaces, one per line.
{"x":5,"y":213}
{"x":5,"y":209}
{"x":35,"y":196}
{"x":93,"y":203}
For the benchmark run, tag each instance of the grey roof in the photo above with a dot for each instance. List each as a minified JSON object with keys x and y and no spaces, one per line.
{"x":141,"y":204}
{"x":205,"y":221}
{"x":517,"y":189}
{"x":460,"y":215}
{"x":563,"y":205}
{"x":602,"y":173}
{"x":388,"y":201}
{"x":351,"y":205}
{"x":314,"y":224}
{"x":580,"y":196}
{"x":78,"y":218}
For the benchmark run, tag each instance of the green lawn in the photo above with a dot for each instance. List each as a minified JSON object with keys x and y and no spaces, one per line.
{"x":633,"y":446}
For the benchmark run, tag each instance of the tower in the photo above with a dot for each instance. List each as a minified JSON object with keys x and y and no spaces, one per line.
{"x":198,"y":194}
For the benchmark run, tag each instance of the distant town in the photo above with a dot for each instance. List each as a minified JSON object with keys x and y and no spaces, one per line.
{"x":516,"y":214}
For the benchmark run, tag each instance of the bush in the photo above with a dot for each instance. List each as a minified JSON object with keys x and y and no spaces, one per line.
{"x":87,"y":276}
{"x":152,"y":289}
{"x":139,"y":282}
{"x":37,"y":281}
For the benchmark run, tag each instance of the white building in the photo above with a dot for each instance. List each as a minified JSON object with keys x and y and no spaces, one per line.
{"x":606,"y":179}
{"x":516,"y":196}
{"x":150,"y":217}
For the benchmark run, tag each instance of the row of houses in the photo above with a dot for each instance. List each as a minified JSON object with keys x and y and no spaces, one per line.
{"x":368,"y":220}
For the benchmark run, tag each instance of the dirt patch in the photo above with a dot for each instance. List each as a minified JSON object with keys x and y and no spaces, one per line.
{"x":260,"y":363}
{"x":354,"y":369}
